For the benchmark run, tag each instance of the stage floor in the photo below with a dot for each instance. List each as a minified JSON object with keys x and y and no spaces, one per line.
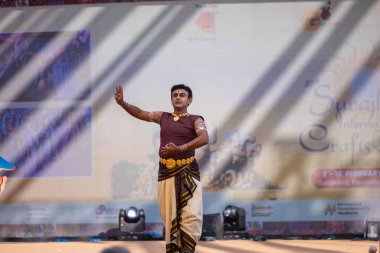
{"x":219,"y":246}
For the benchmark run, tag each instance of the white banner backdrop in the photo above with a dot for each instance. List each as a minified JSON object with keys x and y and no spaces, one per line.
{"x":289,"y":92}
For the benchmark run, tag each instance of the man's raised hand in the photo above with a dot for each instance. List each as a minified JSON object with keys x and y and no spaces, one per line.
{"x":119,"y":95}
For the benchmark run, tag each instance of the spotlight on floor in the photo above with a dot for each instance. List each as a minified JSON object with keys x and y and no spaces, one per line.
{"x":234,"y":222}
{"x":371,"y":228}
{"x":131,"y":224}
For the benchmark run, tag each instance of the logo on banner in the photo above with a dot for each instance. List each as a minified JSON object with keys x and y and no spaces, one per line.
{"x":346,"y":208}
{"x":106,"y":213}
{"x":330,"y":209}
{"x":206,"y":21}
{"x":36,"y":214}
{"x":312,"y":20}
{"x":261,"y":210}
{"x":204,"y":24}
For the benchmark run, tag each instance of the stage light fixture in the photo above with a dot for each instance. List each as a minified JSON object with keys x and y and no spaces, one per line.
{"x":234,"y":223}
{"x":131,"y":224}
{"x":233,"y":218}
{"x":371,"y":228}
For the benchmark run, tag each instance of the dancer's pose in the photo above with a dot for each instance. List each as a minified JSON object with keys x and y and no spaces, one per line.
{"x":179,"y":188}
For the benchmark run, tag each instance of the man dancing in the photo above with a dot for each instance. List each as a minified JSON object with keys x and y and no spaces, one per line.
{"x":179,"y":188}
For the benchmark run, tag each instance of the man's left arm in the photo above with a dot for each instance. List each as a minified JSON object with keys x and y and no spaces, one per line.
{"x":202,"y":135}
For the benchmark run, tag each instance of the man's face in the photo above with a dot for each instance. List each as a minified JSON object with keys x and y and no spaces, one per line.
{"x":180,"y":98}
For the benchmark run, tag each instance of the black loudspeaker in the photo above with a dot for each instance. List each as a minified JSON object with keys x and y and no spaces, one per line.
{"x":212,"y":226}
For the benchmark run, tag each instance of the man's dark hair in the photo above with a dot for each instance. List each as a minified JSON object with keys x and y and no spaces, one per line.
{"x":182,"y":86}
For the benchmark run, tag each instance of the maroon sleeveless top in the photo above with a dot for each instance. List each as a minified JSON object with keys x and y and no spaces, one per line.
{"x":179,"y":132}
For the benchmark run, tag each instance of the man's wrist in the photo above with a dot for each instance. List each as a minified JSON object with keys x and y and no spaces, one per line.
{"x":183,"y":148}
{"x":124,"y":104}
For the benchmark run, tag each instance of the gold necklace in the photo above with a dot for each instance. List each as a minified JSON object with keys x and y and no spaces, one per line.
{"x":176,"y":116}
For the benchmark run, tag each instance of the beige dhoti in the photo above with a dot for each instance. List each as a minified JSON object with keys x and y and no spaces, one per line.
{"x":181,"y":210}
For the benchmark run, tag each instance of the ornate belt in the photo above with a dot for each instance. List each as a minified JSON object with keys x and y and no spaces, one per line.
{"x":170,"y":163}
